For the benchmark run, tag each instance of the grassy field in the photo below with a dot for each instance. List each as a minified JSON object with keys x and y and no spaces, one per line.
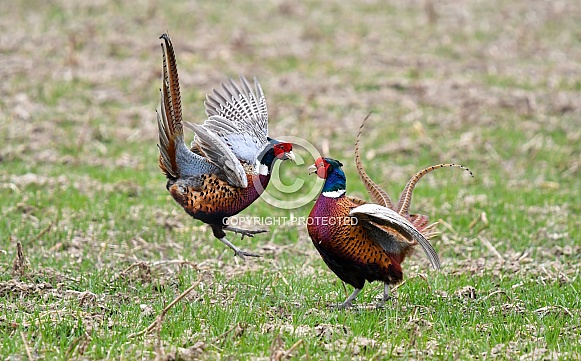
{"x":491,"y":85}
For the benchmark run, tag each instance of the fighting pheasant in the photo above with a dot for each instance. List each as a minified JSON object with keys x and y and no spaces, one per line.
{"x":228,"y":165}
{"x":362,"y":241}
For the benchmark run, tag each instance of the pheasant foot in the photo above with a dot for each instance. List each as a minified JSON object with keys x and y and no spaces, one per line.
{"x":386,"y":296}
{"x":349,"y":301}
{"x":237,"y":251}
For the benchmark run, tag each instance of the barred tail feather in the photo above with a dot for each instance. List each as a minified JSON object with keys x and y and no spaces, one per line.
{"x":405,"y":199}
{"x":377,"y":194}
{"x":169,"y":122}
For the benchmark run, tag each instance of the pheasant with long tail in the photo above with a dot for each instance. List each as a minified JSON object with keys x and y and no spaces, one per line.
{"x":229,"y":162}
{"x":361,"y":241}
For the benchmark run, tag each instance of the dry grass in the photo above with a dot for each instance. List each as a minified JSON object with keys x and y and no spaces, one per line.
{"x":92,"y":249}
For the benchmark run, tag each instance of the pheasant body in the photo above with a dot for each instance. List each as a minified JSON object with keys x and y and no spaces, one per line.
{"x":347,"y":248}
{"x":212,"y":200}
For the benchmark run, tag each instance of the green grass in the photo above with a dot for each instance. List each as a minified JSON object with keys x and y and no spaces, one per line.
{"x":108,"y":248}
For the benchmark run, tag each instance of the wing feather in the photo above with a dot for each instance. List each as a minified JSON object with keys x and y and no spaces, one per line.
{"x":243,"y":107}
{"x":219,"y":155}
{"x":374,"y":215}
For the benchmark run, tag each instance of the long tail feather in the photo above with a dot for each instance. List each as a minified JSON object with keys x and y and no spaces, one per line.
{"x":377,"y":194}
{"x":405,"y":199}
{"x":172,"y":83}
{"x":170,"y":126}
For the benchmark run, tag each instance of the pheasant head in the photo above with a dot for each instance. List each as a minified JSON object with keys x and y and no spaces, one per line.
{"x":282,"y":150}
{"x":275,"y":150}
{"x":330,"y":170}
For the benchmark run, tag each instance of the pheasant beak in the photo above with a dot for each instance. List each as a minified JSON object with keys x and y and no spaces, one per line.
{"x":312,"y":169}
{"x":290,"y":155}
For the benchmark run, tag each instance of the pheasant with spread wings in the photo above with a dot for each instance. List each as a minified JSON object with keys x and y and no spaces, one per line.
{"x":229,"y":163}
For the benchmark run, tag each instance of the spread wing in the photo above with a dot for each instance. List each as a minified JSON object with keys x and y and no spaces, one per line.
{"x":387,"y":226}
{"x":419,"y":221}
{"x":241,"y":139}
{"x":239,"y":116}
{"x":219,"y":155}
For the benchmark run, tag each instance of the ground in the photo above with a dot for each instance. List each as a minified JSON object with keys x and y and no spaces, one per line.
{"x":492,"y":85}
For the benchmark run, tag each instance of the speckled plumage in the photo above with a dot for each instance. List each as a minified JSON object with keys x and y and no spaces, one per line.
{"x":211,"y":199}
{"x":347,"y":249}
{"x":228,"y":165}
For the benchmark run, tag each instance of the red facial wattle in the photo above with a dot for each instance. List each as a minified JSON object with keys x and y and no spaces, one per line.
{"x":281,"y":149}
{"x":322,"y":172}
{"x":322,"y":168}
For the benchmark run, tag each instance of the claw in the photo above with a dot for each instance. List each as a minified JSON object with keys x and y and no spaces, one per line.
{"x":342,"y":306}
{"x":242,"y":254}
{"x":237,"y":251}
{"x":349,"y":301}
{"x":386,"y":296}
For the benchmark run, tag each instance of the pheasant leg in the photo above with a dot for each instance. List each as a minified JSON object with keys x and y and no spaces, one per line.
{"x":349,"y":301}
{"x":386,"y":296}
{"x":240,"y":253}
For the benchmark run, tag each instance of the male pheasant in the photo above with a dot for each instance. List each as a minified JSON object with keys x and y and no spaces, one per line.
{"x":362,"y":241}
{"x":228,"y":165}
